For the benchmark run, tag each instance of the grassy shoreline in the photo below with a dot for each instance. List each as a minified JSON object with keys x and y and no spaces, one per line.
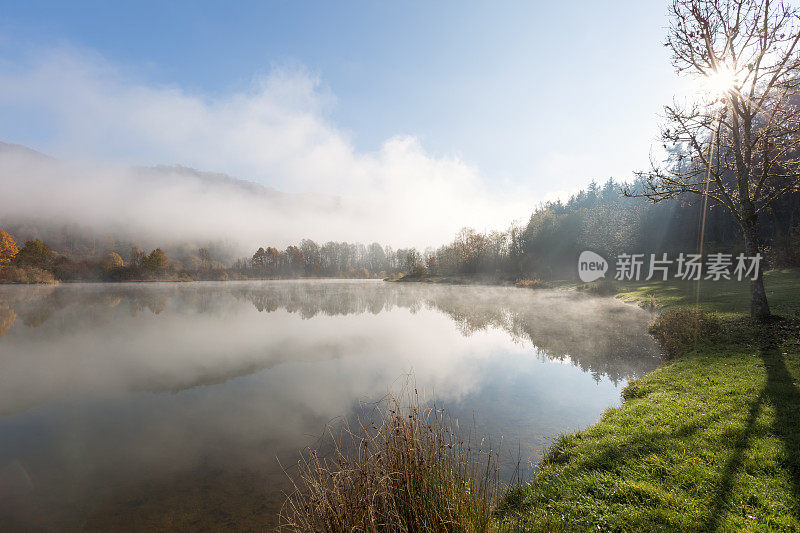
{"x":709,"y":441}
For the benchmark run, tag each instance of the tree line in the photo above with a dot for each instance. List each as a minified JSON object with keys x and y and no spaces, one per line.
{"x":598,"y":218}
{"x":331,"y":259}
{"x":35,"y":261}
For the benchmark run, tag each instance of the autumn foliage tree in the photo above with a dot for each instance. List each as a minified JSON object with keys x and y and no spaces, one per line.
{"x":113,"y":260}
{"x":156,"y":261}
{"x":8,"y":248}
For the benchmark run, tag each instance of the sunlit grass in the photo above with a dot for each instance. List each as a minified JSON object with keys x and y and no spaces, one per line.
{"x":708,"y":442}
{"x":726,"y":297}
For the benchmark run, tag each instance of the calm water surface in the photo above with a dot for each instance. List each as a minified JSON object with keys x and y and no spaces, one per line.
{"x":168,"y":406}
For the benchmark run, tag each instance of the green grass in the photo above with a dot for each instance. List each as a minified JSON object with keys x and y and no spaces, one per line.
{"x":710,"y":441}
{"x":730,"y":298}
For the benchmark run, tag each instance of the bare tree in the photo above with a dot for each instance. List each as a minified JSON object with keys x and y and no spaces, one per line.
{"x":737,"y":143}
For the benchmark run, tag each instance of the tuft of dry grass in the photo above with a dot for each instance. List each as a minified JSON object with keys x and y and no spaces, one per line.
{"x":401,"y":467}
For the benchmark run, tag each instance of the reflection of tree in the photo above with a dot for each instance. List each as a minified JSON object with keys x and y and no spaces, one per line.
{"x":36,"y":317}
{"x":600,"y":335}
{"x":36,"y":305}
{"x":310,"y":298}
{"x":141,"y":299}
{"x":7,"y":318}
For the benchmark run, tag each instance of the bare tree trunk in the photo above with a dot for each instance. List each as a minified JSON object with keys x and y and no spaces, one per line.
{"x":759,"y":308}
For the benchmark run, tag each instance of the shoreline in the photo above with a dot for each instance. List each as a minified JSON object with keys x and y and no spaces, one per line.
{"x":710,"y":440}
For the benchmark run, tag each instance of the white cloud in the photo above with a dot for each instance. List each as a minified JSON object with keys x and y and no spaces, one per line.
{"x":275,"y":133}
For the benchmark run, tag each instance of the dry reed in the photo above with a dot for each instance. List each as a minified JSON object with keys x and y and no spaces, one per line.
{"x":400,"y":467}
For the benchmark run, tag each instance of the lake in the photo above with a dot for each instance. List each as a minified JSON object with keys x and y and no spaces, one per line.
{"x":173,"y":406}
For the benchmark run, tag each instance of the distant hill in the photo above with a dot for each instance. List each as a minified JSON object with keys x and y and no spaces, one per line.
{"x":7,"y":148}
{"x":212,"y":179}
{"x":72,"y":234}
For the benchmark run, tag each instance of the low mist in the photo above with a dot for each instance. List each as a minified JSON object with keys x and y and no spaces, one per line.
{"x":109,"y":134}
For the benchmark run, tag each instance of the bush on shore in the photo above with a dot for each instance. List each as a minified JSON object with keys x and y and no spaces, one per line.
{"x":25,"y":274}
{"x":529,"y":283}
{"x":680,"y":330}
{"x":601,"y":287}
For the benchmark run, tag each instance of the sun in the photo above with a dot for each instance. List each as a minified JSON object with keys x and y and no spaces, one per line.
{"x":720,"y":81}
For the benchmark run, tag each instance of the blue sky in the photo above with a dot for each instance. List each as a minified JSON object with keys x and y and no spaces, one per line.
{"x":537,"y":97}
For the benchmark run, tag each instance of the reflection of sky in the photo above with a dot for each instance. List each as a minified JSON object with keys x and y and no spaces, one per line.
{"x":105,"y":394}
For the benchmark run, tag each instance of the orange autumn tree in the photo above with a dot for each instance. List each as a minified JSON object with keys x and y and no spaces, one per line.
{"x":8,"y":248}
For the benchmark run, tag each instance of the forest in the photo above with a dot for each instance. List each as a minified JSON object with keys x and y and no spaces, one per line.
{"x":601,"y":218}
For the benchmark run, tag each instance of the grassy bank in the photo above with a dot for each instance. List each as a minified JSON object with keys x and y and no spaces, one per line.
{"x":708,"y":442}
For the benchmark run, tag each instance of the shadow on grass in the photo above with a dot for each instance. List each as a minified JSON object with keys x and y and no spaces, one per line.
{"x":635,"y":448}
{"x":781,"y":392}
{"x":719,"y":506}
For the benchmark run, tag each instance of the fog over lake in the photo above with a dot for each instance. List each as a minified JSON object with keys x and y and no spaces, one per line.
{"x":169,"y":405}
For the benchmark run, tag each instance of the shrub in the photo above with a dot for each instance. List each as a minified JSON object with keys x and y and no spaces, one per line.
{"x":403,"y":469}
{"x":529,"y":283}
{"x":601,"y":287}
{"x":67,"y":270}
{"x":679,"y":330}
{"x":25,"y":274}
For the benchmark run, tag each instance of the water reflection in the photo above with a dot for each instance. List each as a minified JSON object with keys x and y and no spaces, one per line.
{"x":166,"y":405}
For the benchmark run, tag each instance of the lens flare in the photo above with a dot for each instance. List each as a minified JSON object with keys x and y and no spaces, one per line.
{"x":721,"y":81}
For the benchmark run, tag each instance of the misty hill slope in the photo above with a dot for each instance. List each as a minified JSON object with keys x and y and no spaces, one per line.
{"x":18,"y":149}
{"x":211,"y":179}
{"x":72,"y":207}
